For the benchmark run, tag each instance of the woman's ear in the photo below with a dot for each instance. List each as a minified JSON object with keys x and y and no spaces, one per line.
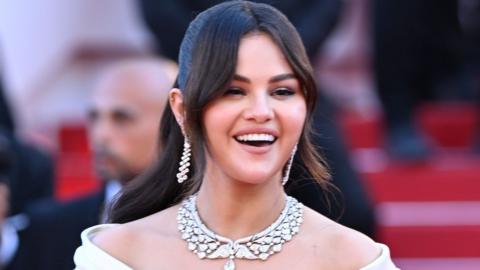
{"x":175,"y":98}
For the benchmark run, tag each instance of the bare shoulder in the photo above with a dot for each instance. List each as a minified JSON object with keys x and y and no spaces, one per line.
{"x":121,"y":241}
{"x":339,"y":242}
{"x":115,"y":240}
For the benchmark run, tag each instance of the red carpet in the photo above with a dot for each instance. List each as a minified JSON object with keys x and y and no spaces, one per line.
{"x":429,"y":213}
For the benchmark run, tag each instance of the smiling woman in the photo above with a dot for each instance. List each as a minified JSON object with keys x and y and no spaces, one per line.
{"x":239,"y":115}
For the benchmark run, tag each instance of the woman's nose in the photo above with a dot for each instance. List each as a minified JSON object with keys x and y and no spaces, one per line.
{"x":259,"y":109}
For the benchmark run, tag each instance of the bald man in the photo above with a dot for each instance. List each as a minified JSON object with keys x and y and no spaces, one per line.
{"x":124,"y":117}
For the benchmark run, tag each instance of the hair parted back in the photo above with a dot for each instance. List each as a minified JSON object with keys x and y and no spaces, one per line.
{"x":207,"y":63}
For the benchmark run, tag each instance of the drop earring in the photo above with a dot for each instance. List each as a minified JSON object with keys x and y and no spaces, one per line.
{"x":184,"y":162}
{"x":289,"y":166}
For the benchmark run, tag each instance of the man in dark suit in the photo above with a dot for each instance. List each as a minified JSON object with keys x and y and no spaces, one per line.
{"x":123,"y":127}
{"x":26,"y":175}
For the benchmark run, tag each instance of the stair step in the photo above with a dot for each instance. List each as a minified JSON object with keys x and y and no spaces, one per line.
{"x":74,"y":175}
{"x":445,"y":124}
{"x":430,"y":229}
{"x":431,"y":241}
{"x":451,"y":124}
{"x":448,"y":176}
{"x":428,"y":212}
{"x":72,"y":138}
{"x":441,"y":213}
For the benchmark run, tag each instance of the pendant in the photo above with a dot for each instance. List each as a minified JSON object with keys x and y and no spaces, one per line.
{"x":230,"y":265}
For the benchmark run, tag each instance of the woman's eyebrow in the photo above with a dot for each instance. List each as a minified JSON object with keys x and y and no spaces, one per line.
{"x":241,"y":78}
{"x":282,"y":77}
{"x":277,"y":78}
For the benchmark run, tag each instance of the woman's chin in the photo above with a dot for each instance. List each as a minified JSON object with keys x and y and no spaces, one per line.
{"x":257,"y":178}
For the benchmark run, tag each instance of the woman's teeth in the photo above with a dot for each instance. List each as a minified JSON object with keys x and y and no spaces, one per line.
{"x":256,"y":139}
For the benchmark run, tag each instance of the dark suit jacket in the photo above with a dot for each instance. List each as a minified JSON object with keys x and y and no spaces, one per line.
{"x":53,"y":234}
{"x":27,"y":170}
{"x":30,"y":176}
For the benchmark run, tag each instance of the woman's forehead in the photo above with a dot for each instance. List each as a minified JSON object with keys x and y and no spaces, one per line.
{"x":259,"y":55}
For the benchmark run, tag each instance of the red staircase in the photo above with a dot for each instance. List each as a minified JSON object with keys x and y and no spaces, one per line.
{"x":429,"y":213}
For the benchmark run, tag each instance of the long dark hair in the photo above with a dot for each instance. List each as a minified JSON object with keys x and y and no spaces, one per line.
{"x":207,"y":62}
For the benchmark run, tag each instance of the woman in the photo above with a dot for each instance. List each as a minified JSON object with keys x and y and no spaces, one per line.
{"x":241,"y":110}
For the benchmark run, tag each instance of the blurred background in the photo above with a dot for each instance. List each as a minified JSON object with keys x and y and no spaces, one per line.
{"x":402,"y":77}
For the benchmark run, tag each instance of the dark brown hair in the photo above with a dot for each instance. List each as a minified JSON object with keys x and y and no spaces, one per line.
{"x":207,"y":62}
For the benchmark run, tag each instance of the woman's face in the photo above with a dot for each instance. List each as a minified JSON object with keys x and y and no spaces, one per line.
{"x":252,"y":128}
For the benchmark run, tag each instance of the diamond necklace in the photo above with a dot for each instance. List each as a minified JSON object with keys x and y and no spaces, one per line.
{"x":208,"y":245}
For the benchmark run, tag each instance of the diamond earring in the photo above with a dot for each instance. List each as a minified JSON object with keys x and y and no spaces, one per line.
{"x":289,"y":166}
{"x":184,"y":162}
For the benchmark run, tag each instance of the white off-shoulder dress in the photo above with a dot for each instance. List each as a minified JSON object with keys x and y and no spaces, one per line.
{"x":90,"y":257}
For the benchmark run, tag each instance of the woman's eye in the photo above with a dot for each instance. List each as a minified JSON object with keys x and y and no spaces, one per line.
{"x":234,"y":92}
{"x":283,"y":92}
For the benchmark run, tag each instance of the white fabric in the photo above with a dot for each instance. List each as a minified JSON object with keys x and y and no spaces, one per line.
{"x":9,"y":243}
{"x":10,"y":240}
{"x":383,"y":262}
{"x":112,"y":189}
{"x":90,"y":257}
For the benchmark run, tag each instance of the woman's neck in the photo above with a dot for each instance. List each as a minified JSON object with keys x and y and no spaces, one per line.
{"x":235,"y":210}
